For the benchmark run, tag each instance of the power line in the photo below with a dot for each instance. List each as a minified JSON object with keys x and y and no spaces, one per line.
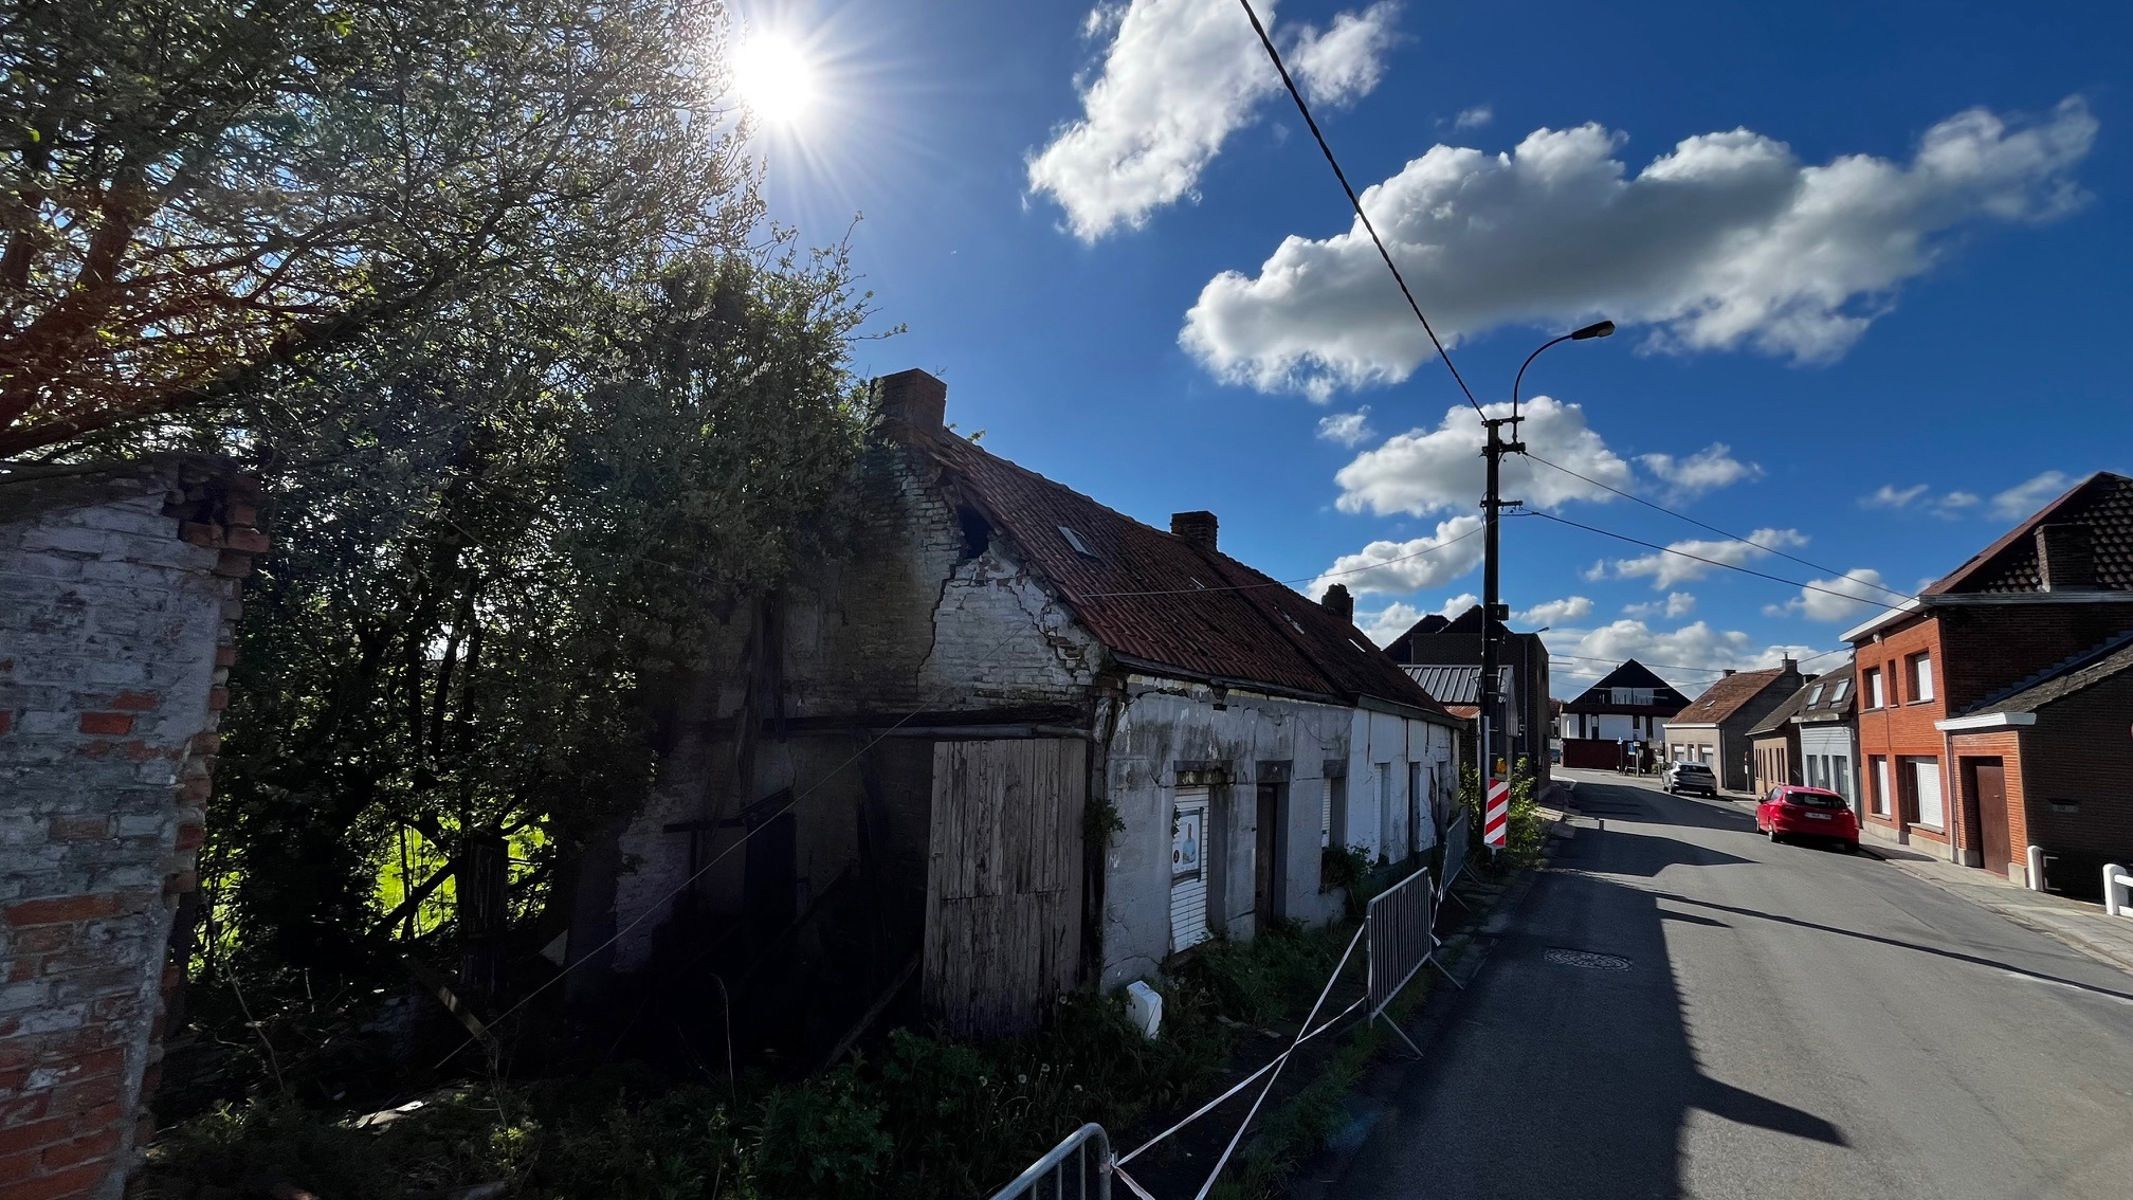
{"x":1623,"y":537}
{"x":1707,"y":525}
{"x":1282,"y":583}
{"x":1699,"y":670}
{"x":1354,"y":202}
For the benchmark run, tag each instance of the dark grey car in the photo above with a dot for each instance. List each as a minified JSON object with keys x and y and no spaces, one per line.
{"x":1690,"y":777}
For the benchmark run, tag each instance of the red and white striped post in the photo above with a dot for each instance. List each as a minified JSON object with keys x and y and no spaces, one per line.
{"x":1496,"y":816}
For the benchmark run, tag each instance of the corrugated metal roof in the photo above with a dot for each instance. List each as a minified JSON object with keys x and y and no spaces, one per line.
{"x":1454,"y":683}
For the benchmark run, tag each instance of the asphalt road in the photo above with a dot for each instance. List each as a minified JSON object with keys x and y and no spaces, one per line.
{"x":1789,"y":1022}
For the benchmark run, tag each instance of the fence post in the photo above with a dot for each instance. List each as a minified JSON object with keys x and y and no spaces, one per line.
{"x":2036,"y":868}
{"x":2117,"y":891}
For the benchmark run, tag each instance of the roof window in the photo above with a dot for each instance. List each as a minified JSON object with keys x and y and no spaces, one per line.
{"x":1814,"y":695}
{"x":1073,"y":540}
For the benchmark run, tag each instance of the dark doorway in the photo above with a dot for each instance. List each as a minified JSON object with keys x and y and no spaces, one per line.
{"x":770,"y":896}
{"x":1267,"y":877}
{"x":1985,"y":805}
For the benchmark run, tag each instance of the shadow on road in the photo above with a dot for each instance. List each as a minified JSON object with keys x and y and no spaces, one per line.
{"x":1899,"y":943}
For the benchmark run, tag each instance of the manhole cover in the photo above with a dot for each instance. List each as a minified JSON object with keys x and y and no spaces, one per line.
{"x":1588,"y":959}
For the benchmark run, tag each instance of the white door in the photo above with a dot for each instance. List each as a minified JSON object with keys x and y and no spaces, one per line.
{"x":1188,"y":869}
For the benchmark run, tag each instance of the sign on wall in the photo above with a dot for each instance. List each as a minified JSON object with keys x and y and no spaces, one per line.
{"x":1188,"y":839}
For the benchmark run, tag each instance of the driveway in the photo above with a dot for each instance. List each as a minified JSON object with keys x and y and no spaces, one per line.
{"x":1680,"y":1008}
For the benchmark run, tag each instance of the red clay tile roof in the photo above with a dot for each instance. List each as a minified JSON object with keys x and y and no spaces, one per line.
{"x":2103,"y":502}
{"x":1724,"y":698}
{"x":1152,"y":596}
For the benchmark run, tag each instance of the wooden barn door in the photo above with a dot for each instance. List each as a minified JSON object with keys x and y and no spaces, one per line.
{"x":1003,"y":885}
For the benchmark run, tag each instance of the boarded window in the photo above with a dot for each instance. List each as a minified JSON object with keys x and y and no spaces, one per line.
{"x":1188,"y":869}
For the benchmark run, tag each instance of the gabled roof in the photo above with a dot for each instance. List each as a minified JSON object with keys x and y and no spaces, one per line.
{"x":1157,"y":599}
{"x":2111,"y":657}
{"x":1666,"y":699}
{"x":1724,"y":698}
{"x":2102,"y":503}
{"x":1436,"y":639}
{"x":1839,"y":696}
{"x":1775,"y":722}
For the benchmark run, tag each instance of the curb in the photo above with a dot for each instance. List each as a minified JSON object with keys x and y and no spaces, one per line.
{"x":2104,"y":953}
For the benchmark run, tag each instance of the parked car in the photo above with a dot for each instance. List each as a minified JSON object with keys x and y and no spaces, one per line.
{"x":1690,"y":777}
{"x":1791,"y":811}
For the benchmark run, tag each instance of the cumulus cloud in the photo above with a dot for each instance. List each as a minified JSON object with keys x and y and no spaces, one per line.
{"x":1408,"y":566}
{"x":1398,"y":617}
{"x":1432,"y":470}
{"x":1698,"y":644}
{"x":1350,"y":429}
{"x":1345,"y":62}
{"x":1696,"y":558}
{"x":1676,"y":604}
{"x":1474,"y":118}
{"x":1726,"y":241}
{"x":1555,"y":612}
{"x":1862,"y":590}
{"x":1178,"y":77}
{"x":2030,"y":495}
{"x":1954,"y":503}
{"x":1888,"y":495}
{"x":1709,"y":468}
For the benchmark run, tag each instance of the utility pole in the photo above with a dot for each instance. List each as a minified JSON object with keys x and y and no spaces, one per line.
{"x":1492,"y":608}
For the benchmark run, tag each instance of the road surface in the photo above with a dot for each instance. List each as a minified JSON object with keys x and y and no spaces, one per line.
{"x":1778,"y":1021}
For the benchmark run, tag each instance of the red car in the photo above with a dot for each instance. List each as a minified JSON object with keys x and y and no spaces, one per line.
{"x":1791,"y":811}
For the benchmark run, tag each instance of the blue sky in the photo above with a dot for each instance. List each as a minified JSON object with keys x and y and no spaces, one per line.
{"x":1873,"y":253}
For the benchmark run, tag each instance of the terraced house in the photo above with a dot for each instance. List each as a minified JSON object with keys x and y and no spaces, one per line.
{"x":1986,"y":718}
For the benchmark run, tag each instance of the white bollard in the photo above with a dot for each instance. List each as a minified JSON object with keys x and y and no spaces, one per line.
{"x":2115,"y":901}
{"x":2036,"y":868}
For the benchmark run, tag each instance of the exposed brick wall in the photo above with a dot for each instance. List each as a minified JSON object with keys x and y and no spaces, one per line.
{"x":1904,"y":728}
{"x":2007,"y":746}
{"x":118,"y":600}
{"x":2080,"y":751}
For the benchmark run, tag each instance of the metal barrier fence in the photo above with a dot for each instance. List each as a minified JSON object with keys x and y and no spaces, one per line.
{"x":1054,"y":1168}
{"x":1398,"y":940}
{"x":1456,"y":853}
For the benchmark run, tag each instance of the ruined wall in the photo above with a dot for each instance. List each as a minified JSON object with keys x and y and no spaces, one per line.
{"x":118,"y":599}
{"x":923,"y":611}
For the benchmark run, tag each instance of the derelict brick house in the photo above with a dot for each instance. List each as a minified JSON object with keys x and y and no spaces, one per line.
{"x":1012,"y":742}
{"x":1714,"y":729}
{"x":1444,"y":656}
{"x":2053,"y":589}
{"x":1625,"y":710}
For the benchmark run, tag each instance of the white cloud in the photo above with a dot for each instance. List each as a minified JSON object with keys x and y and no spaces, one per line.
{"x":1594,"y":573}
{"x":1382,"y":626}
{"x":1408,"y":566}
{"x":1726,"y":241}
{"x":2030,"y":495}
{"x":1888,"y":495}
{"x":1711,"y":467}
{"x":1675,"y":565}
{"x":1555,"y":612}
{"x":1862,"y":591}
{"x":1344,"y":63}
{"x":1426,"y":471}
{"x":1350,"y":429}
{"x":1178,"y":78}
{"x":1697,"y":644}
{"x":1676,"y":604}
{"x":1474,"y":118}
{"x":1950,"y":505}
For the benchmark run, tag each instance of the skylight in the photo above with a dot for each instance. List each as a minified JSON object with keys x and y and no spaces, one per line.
{"x":1073,"y":539}
{"x":1843,"y":686}
{"x":1814,"y":696}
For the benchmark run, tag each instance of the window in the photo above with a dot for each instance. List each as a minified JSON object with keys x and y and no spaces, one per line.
{"x":1921,"y":777}
{"x":1921,"y":673}
{"x":1623,"y":695}
{"x":1333,"y":814}
{"x":1843,"y":686}
{"x":1074,"y":542}
{"x":1814,"y":695}
{"x":1881,"y":784}
{"x":1873,"y":689}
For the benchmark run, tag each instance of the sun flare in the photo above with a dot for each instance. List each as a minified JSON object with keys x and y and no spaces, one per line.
{"x":776,"y":79}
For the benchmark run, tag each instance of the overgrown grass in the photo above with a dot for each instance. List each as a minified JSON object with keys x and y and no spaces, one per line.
{"x":922,"y":1117}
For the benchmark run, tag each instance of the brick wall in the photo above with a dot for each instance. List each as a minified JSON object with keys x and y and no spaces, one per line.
{"x":2080,"y":753}
{"x":1902,"y":729}
{"x":2006,"y":745}
{"x":118,"y":598}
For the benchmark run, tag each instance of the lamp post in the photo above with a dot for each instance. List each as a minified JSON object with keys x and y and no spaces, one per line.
{"x":1492,"y":610}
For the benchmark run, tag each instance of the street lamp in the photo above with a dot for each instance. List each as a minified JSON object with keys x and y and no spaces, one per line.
{"x":1492,"y":506}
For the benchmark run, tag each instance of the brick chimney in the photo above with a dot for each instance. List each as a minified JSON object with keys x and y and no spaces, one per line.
{"x":1726,"y":672}
{"x":912,"y":401}
{"x":2066,"y":558}
{"x":1339,"y":602}
{"x":1197,"y":527}
{"x":1792,"y":667}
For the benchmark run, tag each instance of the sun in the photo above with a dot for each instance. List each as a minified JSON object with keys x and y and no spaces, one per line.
{"x":776,"y":79}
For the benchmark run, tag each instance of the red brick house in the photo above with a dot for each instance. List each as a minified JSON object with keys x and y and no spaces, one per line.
{"x":2057,"y":586}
